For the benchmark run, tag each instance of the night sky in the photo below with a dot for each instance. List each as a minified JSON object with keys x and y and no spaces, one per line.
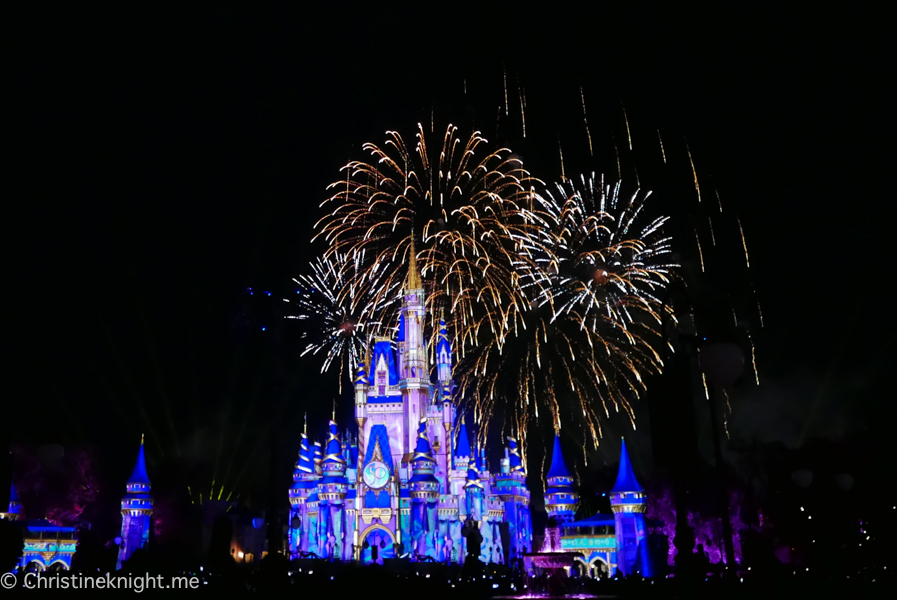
{"x":162,"y":162}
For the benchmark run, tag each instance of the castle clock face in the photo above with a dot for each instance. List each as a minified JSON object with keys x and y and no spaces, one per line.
{"x":375,"y":475}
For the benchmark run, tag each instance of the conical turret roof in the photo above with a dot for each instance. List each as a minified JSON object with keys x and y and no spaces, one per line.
{"x":462,"y":450}
{"x":558,"y":468}
{"x":334,"y":456}
{"x":422,"y":452}
{"x":140,"y":475}
{"x":626,"y":481}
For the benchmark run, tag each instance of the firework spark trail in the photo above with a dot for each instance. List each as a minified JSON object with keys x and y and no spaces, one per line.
{"x":628,"y":133}
{"x":700,"y":252}
{"x":743,"y":243}
{"x":561,"y":152}
{"x":585,"y":119}
{"x":617,"y":155}
{"x":662,"y":153}
{"x":754,"y":360}
{"x":505,"y":79}
{"x":693,"y":172}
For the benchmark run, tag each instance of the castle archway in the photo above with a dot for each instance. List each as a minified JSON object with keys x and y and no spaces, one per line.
{"x":377,"y":544}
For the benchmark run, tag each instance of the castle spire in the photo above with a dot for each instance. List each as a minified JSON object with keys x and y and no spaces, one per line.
{"x":626,"y":481}
{"x":558,"y":468}
{"x":139,"y":475}
{"x":413,"y":282}
{"x":462,"y":450}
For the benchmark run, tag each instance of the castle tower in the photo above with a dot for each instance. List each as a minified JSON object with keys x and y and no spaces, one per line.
{"x":424,"y":491}
{"x":304,"y":482}
{"x":561,"y":500}
{"x":628,"y":503}
{"x":473,"y":488}
{"x":136,"y":510}
{"x":511,"y":489}
{"x":460,"y":461}
{"x":15,"y":505}
{"x":414,"y":375}
{"x":331,"y":501}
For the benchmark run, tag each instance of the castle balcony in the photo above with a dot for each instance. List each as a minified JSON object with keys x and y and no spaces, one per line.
{"x":448,"y":501}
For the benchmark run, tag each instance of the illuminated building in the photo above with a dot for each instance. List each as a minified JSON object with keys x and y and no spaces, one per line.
{"x":413,"y":480}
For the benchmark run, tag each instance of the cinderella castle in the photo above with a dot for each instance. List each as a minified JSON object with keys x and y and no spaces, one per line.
{"x":413,"y":486}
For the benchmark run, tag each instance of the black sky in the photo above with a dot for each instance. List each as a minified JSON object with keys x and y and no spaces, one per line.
{"x":161,"y":161}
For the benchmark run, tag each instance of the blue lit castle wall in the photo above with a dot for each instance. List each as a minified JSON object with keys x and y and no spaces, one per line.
{"x":414,"y":479}
{"x":136,"y":510}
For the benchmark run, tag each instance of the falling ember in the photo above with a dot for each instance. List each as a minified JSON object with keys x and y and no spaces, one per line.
{"x":706,"y":391}
{"x":505,"y":76}
{"x":700,"y":252}
{"x":628,"y":133}
{"x":712,"y":237}
{"x":522,"y":109}
{"x":693,"y":171}
{"x":561,"y":152}
{"x":585,"y":119}
{"x":617,"y":155}
{"x":754,"y":360}
{"x":743,"y":243}
{"x":662,"y":153}
{"x":718,"y":201}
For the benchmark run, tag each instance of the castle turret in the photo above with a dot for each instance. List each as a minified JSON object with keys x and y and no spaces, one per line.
{"x":473,"y":487}
{"x":462,"y":448}
{"x":628,"y":502}
{"x":304,"y":483}
{"x":511,"y":489}
{"x":136,"y":509}
{"x":561,"y":500}
{"x":424,"y":491}
{"x":331,"y":498}
{"x":15,"y":505}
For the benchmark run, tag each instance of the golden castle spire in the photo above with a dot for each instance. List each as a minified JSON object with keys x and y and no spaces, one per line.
{"x":413,"y":282}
